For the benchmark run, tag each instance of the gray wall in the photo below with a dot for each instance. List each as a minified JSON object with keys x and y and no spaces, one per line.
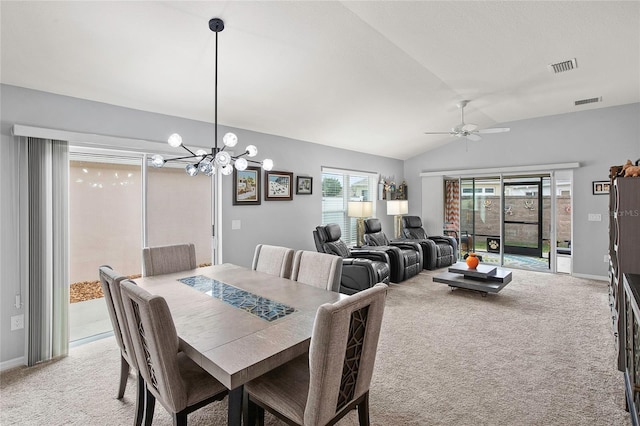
{"x":288,"y":223}
{"x":597,"y":139}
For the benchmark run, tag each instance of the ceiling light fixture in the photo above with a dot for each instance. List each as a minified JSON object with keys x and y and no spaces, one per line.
{"x":205,"y":162}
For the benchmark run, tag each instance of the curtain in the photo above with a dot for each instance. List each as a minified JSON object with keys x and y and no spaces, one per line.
{"x":47,"y":241}
{"x":452,"y":205}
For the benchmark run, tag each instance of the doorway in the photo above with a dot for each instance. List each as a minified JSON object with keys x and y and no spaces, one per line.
{"x":115,"y":209}
{"x":508,"y":219}
{"x":522,"y":218}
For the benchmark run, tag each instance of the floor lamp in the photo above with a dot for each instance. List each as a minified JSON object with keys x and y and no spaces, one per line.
{"x":397,"y":208}
{"x":360,"y":210}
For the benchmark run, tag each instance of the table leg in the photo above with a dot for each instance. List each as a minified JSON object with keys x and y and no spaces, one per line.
{"x":234,"y":415}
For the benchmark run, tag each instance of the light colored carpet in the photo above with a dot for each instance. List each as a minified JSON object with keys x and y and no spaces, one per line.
{"x":541,"y":352}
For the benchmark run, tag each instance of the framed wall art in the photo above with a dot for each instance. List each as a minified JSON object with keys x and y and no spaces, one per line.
{"x":278,"y":186}
{"x":246,"y":186}
{"x":601,"y":187}
{"x":304,"y":185}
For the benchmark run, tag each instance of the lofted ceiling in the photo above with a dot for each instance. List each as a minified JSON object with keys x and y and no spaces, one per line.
{"x":368,"y":76}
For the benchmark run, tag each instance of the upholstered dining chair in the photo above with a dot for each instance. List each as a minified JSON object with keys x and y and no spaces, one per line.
{"x":110,"y":283}
{"x":273,"y":260}
{"x":317,"y":269}
{"x":168,"y":259}
{"x":170,"y":376}
{"x":334,"y":378}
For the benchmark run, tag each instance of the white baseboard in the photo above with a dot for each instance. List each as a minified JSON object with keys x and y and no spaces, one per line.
{"x":592,"y":277}
{"x":12,"y":363}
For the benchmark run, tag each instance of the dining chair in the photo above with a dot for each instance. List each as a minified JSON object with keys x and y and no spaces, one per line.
{"x":168,"y":259}
{"x":110,"y":283}
{"x":334,"y":378}
{"x":273,"y":260}
{"x":170,"y":376}
{"x":317,"y":269}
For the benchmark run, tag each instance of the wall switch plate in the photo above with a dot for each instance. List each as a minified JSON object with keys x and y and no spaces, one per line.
{"x":595,"y":217}
{"x":606,"y":258}
{"x":17,"y":322}
{"x":235,"y":224}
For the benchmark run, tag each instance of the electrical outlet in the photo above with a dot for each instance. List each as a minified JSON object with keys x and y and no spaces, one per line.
{"x":595,"y":217}
{"x":17,"y":322}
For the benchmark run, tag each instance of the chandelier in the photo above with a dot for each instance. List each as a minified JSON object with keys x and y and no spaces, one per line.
{"x":202,"y":161}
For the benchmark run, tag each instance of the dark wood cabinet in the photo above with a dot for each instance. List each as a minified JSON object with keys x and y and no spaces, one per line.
{"x":631,"y":347}
{"x":624,"y":282}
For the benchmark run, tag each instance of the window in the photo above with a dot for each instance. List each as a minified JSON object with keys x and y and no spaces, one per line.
{"x":338,"y":188}
{"x":478,"y":190}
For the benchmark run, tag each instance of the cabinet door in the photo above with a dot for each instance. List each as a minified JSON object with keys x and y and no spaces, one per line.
{"x":627,"y":218}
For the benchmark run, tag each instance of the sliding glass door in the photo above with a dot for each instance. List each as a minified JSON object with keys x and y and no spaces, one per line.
{"x":179,"y":210}
{"x":105,"y":227}
{"x":523,"y":216}
{"x":479,"y":213}
{"x":508,"y":219}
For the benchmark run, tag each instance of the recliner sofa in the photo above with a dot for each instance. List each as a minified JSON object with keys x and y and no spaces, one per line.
{"x":405,"y":256}
{"x":438,"y":251}
{"x":361,"y":268}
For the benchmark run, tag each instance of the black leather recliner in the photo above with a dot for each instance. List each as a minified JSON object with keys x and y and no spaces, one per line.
{"x":406,"y":256}
{"x":439,"y":251}
{"x":361,"y":268}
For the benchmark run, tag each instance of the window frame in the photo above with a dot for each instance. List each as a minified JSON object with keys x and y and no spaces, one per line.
{"x":348,"y":224}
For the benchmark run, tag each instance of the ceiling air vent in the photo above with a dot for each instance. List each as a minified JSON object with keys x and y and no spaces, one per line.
{"x":563,"y":66}
{"x":588,"y":101}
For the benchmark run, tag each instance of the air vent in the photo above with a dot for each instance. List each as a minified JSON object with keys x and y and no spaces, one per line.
{"x":563,"y":66}
{"x":588,"y":101}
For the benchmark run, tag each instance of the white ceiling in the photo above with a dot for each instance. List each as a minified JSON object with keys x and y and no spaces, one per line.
{"x":366,"y":76}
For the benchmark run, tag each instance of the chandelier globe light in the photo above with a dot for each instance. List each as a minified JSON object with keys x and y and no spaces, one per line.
{"x":205,"y":162}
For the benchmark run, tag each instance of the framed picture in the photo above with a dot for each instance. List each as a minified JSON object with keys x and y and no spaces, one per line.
{"x":304,"y":185}
{"x":601,"y":187}
{"x":246,"y":186}
{"x":278,"y":186}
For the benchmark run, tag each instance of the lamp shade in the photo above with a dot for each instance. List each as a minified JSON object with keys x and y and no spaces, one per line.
{"x":395,"y":207}
{"x":359,"y":208}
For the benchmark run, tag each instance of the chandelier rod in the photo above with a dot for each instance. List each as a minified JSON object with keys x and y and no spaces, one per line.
{"x":215,"y":96}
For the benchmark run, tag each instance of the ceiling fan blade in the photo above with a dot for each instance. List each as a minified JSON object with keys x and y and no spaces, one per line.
{"x":473,"y":137}
{"x":494,"y":130}
{"x":468,"y":127}
{"x":439,"y":133}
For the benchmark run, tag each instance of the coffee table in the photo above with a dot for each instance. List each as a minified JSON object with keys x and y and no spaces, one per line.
{"x":484,"y":278}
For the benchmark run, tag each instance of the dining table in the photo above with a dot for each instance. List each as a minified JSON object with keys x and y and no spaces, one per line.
{"x":237,"y":323}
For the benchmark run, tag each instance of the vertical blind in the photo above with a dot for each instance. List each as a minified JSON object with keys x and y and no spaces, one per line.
{"x":48,"y":286}
{"x":338,"y":188}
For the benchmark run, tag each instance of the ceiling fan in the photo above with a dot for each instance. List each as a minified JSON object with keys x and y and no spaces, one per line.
{"x":469,"y":131}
